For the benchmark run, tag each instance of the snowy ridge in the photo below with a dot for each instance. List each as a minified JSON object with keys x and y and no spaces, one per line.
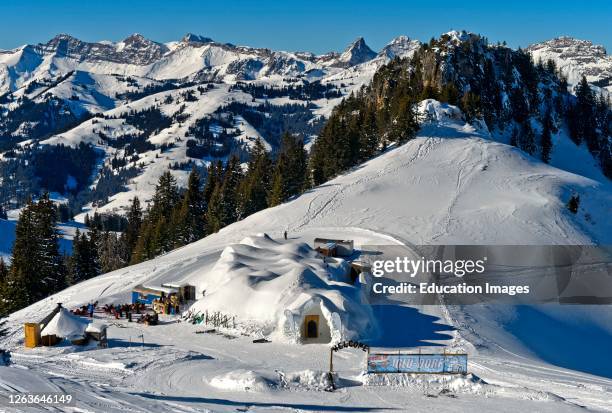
{"x":194,"y":55}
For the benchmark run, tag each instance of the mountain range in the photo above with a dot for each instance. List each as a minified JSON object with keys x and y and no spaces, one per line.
{"x":67,"y":92}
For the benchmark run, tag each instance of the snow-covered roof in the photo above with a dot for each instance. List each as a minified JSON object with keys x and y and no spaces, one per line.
{"x":66,"y":325}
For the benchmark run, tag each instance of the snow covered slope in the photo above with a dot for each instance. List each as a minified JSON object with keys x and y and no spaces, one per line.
{"x":449,"y":185}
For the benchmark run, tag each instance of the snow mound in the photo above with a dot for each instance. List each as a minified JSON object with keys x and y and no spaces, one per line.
{"x":96,"y":327}
{"x":308,"y":380}
{"x":66,"y":325}
{"x":435,"y":111}
{"x":242,"y":380}
{"x":456,"y":384}
{"x":274,"y":285}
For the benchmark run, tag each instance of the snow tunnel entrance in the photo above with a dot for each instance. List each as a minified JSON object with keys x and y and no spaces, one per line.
{"x":314,"y":327}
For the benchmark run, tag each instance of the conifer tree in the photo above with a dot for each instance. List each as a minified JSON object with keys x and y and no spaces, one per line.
{"x":3,"y":271}
{"x":51,"y":265}
{"x":37,"y":268}
{"x":254,"y":188}
{"x":290,"y":171}
{"x":368,"y":139}
{"x":166,"y":196}
{"x":546,"y":137}
{"x":526,"y":139}
{"x":573,"y":204}
{"x":134,"y":219}
{"x":3,"y":278}
{"x":213,"y":178}
{"x":514,"y":136}
{"x":85,"y":261}
{"x":583,"y":122}
{"x":156,"y":235}
{"x":213,"y":211}
{"x":229,"y":190}
{"x":75,"y":273}
{"x":111,"y":253}
{"x":188,"y":218}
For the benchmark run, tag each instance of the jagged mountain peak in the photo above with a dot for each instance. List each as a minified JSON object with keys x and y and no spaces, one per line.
{"x":401,"y":46}
{"x":357,"y":52}
{"x":135,"y":37}
{"x":62,"y":38}
{"x":195,"y":38}
{"x":137,"y":40}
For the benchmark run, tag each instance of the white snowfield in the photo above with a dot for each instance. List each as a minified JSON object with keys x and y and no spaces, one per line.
{"x":449,"y":185}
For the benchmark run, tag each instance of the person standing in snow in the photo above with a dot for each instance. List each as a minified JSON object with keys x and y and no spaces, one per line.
{"x":90,"y":309}
{"x":285,"y":235}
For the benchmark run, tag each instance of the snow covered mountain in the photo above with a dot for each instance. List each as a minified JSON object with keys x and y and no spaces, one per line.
{"x":68,"y":91}
{"x":577,"y":58}
{"x":358,"y":52}
{"x":193,"y":56}
{"x":451,"y":184}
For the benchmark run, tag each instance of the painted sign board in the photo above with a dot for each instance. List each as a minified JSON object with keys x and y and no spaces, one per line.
{"x":417,"y":363}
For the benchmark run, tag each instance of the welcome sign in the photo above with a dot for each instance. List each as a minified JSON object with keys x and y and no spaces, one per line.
{"x":417,"y":363}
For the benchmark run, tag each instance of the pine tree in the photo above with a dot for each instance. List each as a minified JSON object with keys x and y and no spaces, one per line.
{"x":37,"y":268}
{"x":188,"y":217}
{"x":166,"y":196}
{"x":157,"y":235}
{"x":23,"y":283}
{"x":51,"y":263}
{"x":582,"y":116}
{"x":518,"y":105}
{"x":290,"y":171}
{"x":514,"y":137}
{"x":143,"y":249}
{"x":134,"y":218}
{"x":526,"y":139}
{"x":111,"y":253}
{"x":229,"y":191}
{"x":368,"y":138}
{"x":85,"y":260}
{"x":213,"y":178}
{"x":573,"y":204}
{"x":213,"y":211}
{"x":3,"y":271}
{"x":546,"y":137}
{"x":75,"y":273}
{"x":254,"y":188}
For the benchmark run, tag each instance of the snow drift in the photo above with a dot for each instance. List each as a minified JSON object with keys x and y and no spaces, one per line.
{"x":274,"y":285}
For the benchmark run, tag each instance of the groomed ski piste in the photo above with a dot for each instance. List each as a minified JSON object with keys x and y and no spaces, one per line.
{"x":450,"y":185}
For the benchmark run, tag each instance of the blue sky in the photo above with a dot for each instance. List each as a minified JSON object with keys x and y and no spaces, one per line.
{"x":314,"y":25}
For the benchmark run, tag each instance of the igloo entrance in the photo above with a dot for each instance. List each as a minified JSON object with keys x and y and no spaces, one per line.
{"x":315,"y":328}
